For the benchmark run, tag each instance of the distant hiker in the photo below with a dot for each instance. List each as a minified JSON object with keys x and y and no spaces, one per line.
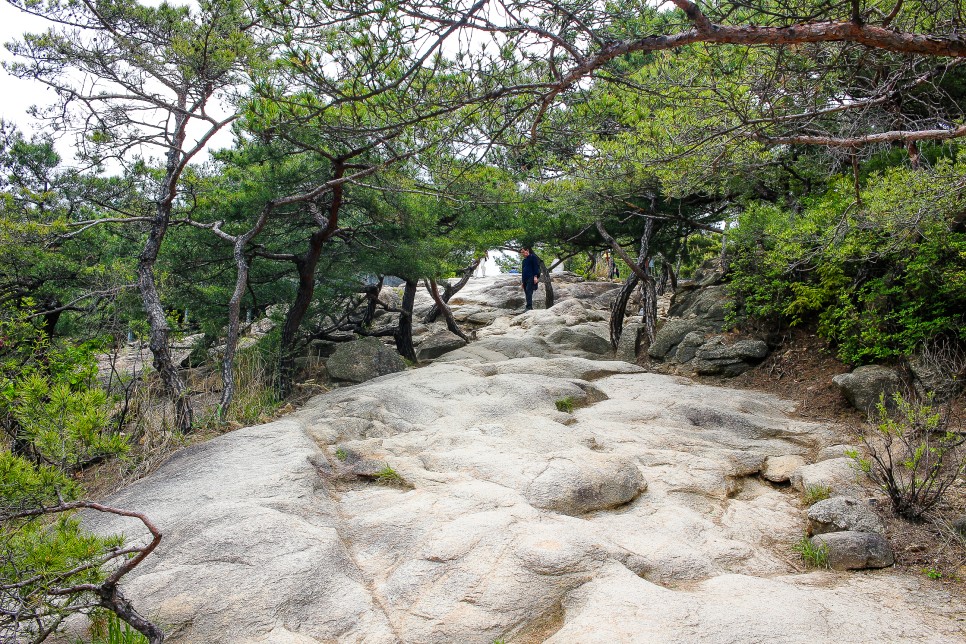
{"x":612,"y":269}
{"x":531,"y":274}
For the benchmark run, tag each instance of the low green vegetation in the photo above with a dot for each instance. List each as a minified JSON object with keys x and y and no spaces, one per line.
{"x":341,"y":454}
{"x":813,"y":556}
{"x":816,"y":493}
{"x":566,"y":405}
{"x":915,"y":454}
{"x":111,"y":630}
{"x":388,"y":476}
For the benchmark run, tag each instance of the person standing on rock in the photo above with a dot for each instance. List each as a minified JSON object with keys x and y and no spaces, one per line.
{"x":531,"y":274}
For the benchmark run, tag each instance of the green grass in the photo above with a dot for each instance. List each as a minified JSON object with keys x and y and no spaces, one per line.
{"x":341,"y":454}
{"x":116,"y":631}
{"x":813,"y":556}
{"x":816,"y":493}
{"x":388,"y":476}
{"x":566,"y":405}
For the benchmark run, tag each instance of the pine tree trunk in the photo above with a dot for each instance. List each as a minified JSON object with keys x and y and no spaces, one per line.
{"x":618,"y":309}
{"x":547,"y":285}
{"x":404,"y":330}
{"x":442,"y":306}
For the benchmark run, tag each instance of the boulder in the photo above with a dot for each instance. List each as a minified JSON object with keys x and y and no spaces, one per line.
{"x":362,"y":360}
{"x":630,"y":342}
{"x":576,"y":486}
{"x":438,"y":343}
{"x":708,"y":304}
{"x":711,"y":271}
{"x":670,"y":335}
{"x":929,"y":377}
{"x":581,"y":339}
{"x":841,"y":513}
{"x":717,"y":358}
{"x":689,"y":347}
{"x":959,"y":525}
{"x":864,"y":386}
{"x":851,"y":550}
{"x":779,"y":469}
{"x":837,"y":474}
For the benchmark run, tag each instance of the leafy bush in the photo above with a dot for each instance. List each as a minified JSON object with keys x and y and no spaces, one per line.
{"x":914,"y":455}
{"x":38,"y":555}
{"x":52,"y":408}
{"x":879,"y":277}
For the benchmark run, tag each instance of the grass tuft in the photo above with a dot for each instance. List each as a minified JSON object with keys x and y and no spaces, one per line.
{"x":813,"y":556}
{"x":566,"y":405}
{"x":816,"y":493}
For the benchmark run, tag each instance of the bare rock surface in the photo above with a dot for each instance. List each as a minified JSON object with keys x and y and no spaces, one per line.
{"x":639,"y":517}
{"x":853,"y":550}
{"x":841,"y":513}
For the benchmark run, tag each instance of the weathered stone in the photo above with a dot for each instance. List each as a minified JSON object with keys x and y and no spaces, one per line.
{"x":717,"y":358}
{"x":929,"y":377}
{"x":711,"y":271}
{"x":837,"y":474}
{"x":591,"y":482}
{"x":362,"y":360}
{"x":864,"y":386}
{"x":708,"y":304}
{"x":581,"y":339}
{"x":517,"y":521}
{"x":672,"y":333}
{"x":438,"y":343}
{"x":689,"y":347}
{"x":779,"y":469}
{"x":746,"y":350}
{"x":630,"y":342}
{"x":959,"y":525}
{"x":841,"y":513}
{"x":852,"y":550}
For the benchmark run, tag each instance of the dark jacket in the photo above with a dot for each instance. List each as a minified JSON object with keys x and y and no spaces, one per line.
{"x":531,"y":268}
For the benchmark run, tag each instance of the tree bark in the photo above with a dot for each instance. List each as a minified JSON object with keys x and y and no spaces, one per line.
{"x":242,"y":264}
{"x":547,"y":285}
{"x":306,"y":265}
{"x":449,"y":290}
{"x":640,"y":269}
{"x":618,"y":309}
{"x":159,"y":338}
{"x":372,"y":300}
{"x":444,"y":308}
{"x":404,"y":330}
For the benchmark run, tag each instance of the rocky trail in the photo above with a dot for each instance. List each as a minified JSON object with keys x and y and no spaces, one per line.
{"x":524,"y":488}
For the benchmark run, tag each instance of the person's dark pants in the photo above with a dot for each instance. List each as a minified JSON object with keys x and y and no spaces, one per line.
{"x":529,"y":287}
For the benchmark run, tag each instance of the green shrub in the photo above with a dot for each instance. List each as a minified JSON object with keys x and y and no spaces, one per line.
{"x":52,"y":407}
{"x":41,"y":553}
{"x":914,"y":455}
{"x":878,"y":278}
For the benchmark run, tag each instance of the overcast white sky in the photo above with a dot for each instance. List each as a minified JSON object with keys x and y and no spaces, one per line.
{"x":18,"y":95}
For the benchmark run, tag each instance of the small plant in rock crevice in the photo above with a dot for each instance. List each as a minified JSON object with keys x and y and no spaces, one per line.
{"x":914,"y":455}
{"x":388,"y":476}
{"x":341,"y":454}
{"x":566,"y":405}
{"x":816,"y":493}
{"x":813,"y":556}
